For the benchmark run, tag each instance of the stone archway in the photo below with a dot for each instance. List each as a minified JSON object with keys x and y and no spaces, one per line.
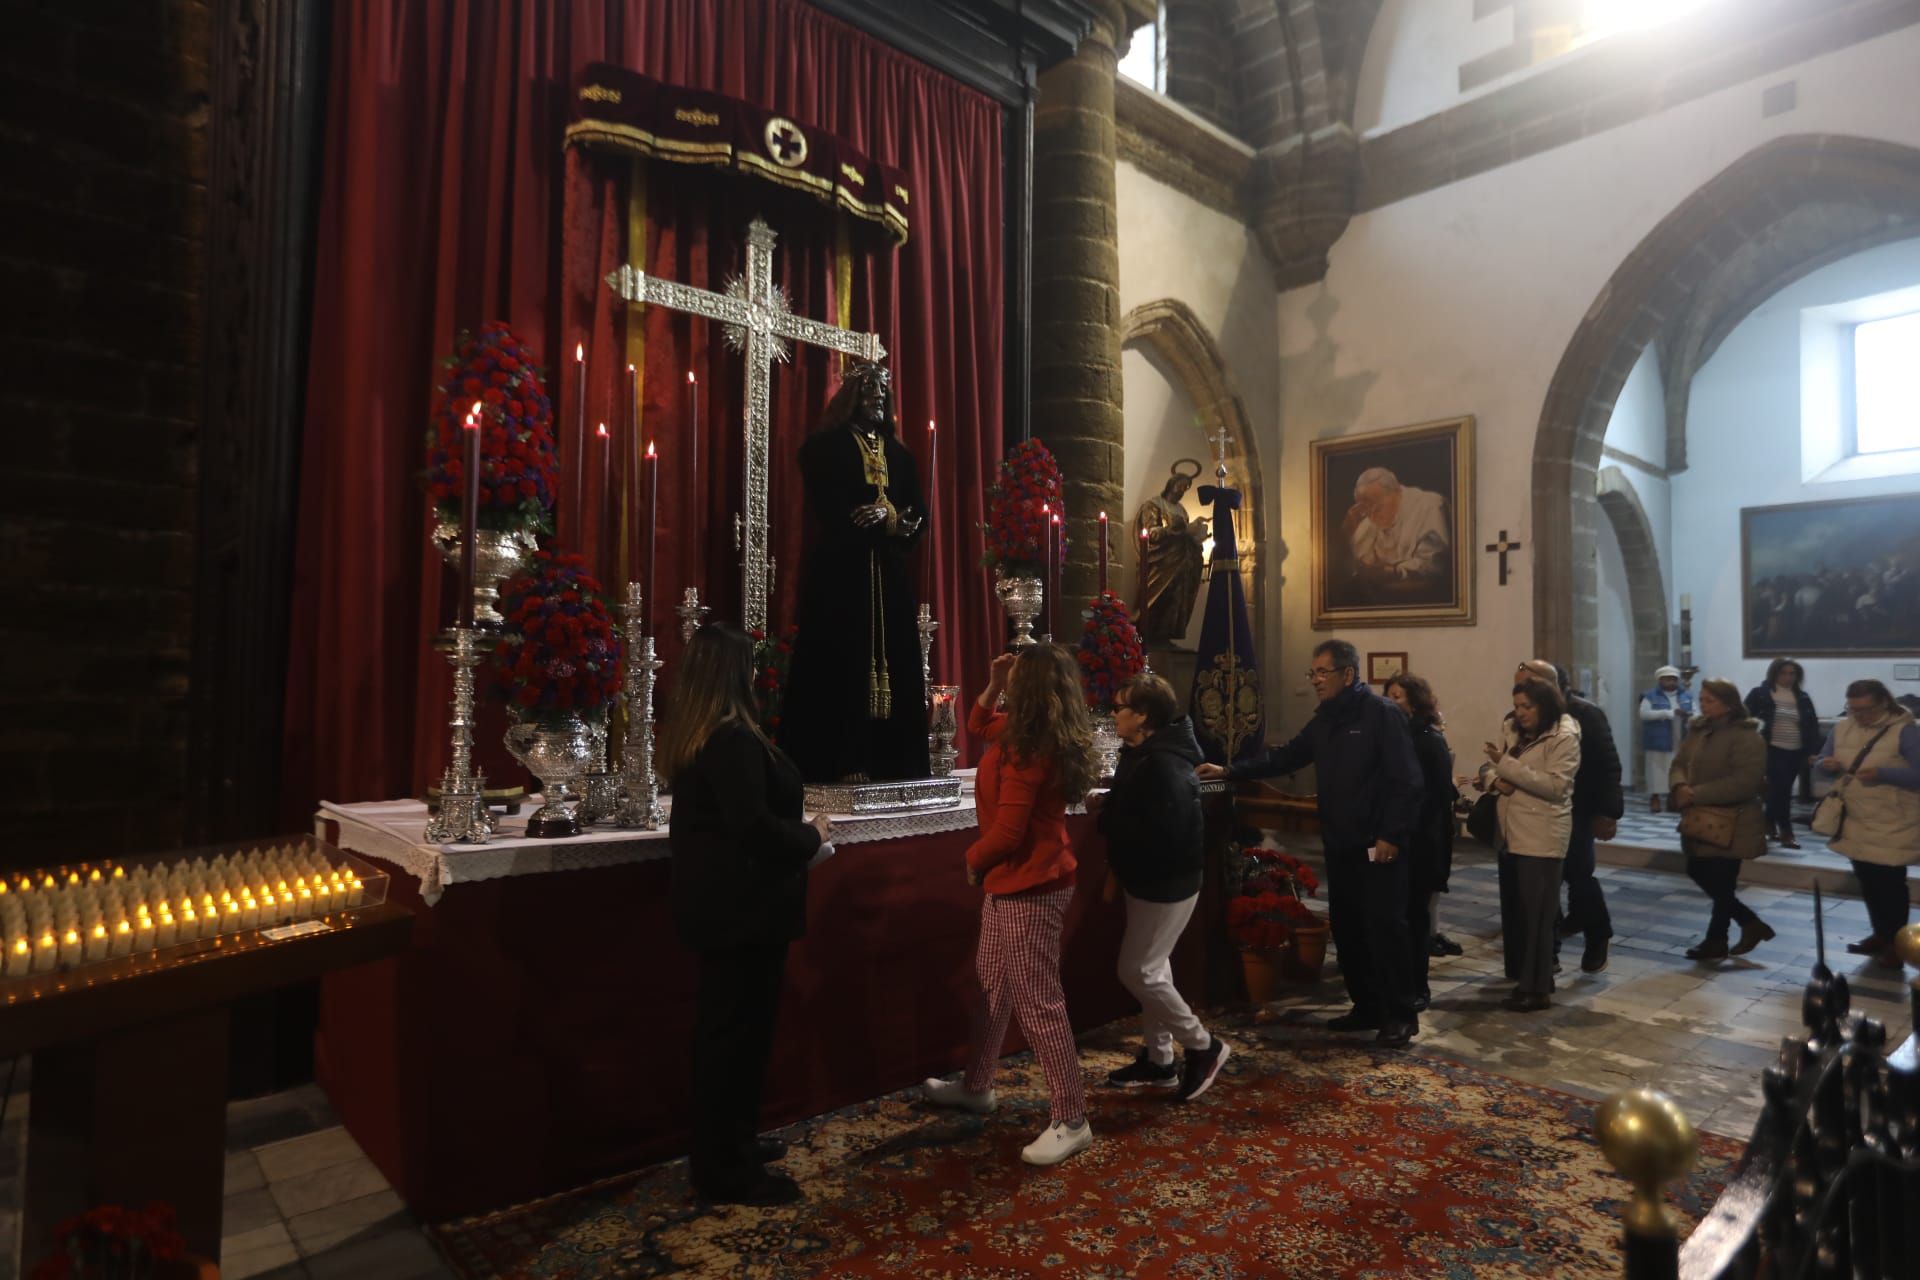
{"x":1646,"y":587}
{"x":1785,"y":207}
{"x":1170,"y":329}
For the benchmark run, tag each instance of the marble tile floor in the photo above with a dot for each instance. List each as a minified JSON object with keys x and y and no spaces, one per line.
{"x":304,"y":1203}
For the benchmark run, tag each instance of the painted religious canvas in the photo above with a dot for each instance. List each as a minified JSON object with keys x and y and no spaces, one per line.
{"x":1393,"y":527}
{"x":1832,"y":579}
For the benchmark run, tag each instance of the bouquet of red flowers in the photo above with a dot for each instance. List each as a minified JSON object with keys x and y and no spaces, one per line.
{"x":1110,"y":649}
{"x":517,"y":466}
{"x":1017,"y":505}
{"x":772,"y":660}
{"x":113,"y":1243}
{"x":558,"y":651}
{"x":1266,"y":910}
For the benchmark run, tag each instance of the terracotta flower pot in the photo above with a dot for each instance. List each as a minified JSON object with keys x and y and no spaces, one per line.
{"x":1308,"y":953}
{"x":1262,"y":972}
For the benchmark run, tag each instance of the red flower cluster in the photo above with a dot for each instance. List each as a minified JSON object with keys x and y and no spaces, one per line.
{"x":1266,"y":910}
{"x":110,"y":1240}
{"x":1016,"y":529}
{"x":517,"y":459}
{"x":558,"y":651}
{"x":1110,"y":649}
{"x":772,"y":660}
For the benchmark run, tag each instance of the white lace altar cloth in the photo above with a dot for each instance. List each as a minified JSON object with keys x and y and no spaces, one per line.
{"x":394,"y":831}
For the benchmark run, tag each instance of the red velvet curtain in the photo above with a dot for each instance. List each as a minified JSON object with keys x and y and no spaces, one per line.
{"x":448,"y":200}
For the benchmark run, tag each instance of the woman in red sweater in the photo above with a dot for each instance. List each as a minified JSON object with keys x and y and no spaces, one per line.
{"x":1039,"y":759}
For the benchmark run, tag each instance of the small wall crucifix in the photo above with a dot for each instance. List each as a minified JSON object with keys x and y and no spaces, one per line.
{"x":1501,"y":548}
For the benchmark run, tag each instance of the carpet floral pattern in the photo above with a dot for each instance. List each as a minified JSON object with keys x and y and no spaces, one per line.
{"x":1304,"y":1161}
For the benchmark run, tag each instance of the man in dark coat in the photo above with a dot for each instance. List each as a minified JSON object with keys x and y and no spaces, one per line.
{"x":1598,"y":803}
{"x":1369,"y":786}
{"x":855,"y":706}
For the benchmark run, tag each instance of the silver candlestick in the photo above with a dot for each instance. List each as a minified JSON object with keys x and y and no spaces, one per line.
{"x":927,"y":627}
{"x":692,"y":613}
{"x":640,"y":805}
{"x":463,"y":789}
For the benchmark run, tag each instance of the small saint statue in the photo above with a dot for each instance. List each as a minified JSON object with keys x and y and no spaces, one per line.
{"x":1172,"y":559}
{"x":855,"y":709}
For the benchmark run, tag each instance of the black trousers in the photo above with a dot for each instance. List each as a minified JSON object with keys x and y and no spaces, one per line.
{"x":1368,"y":905}
{"x":1783,"y":772}
{"x":1586,"y":904}
{"x":1885,"y":889}
{"x":739,"y":998}
{"x":1717,"y":878}
{"x":1529,"y":897}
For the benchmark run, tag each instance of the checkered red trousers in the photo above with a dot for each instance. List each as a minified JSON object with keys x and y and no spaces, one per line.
{"x":1019,"y":966}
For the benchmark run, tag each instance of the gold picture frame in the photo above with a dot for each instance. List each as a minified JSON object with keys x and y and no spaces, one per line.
{"x":1417,"y":574}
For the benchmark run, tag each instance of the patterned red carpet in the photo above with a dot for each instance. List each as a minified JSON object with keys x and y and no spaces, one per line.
{"x":1320,"y":1160}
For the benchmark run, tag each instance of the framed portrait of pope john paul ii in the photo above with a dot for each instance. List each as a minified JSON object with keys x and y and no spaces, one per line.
{"x":1393,"y":527}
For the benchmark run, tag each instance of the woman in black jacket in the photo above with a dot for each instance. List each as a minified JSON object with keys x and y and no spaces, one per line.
{"x":740,"y":857}
{"x":1792,"y":731}
{"x":1151,"y":819}
{"x":1431,"y":856}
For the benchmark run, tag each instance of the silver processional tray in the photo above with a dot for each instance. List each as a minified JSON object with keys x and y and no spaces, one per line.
{"x":911,"y":795}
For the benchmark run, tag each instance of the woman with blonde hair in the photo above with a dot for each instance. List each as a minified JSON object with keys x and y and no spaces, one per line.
{"x":1039,"y":759}
{"x":741,"y":852}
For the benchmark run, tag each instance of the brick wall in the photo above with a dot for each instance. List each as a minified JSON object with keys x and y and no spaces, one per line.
{"x":103,"y":141}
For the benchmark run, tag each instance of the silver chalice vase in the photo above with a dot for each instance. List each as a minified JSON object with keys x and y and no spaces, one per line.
{"x":556,"y":751}
{"x":497,"y":555}
{"x":1021,"y":598}
{"x":1106,"y":743}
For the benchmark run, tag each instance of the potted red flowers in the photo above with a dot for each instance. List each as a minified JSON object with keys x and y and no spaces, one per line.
{"x":111,"y":1243}
{"x":1110,"y":654}
{"x":1020,"y":507}
{"x":1277,"y":933}
{"x":517,"y":457}
{"x":772,"y":660}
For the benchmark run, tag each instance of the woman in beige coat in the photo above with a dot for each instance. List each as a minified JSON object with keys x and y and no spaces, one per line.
{"x":1721,"y":768}
{"x":1876,"y":752}
{"x":1533,"y":772}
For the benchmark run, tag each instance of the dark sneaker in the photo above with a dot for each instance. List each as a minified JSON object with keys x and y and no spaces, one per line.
{"x":767,"y":1190}
{"x":1354,"y":1020}
{"x":1871,"y":945}
{"x":1198,"y":1067}
{"x":767,"y":1150}
{"x":1442,"y":945}
{"x":1397,"y":1034}
{"x":1752,"y":934}
{"x":1523,"y":1002}
{"x":1594,"y":958}
{"x":1711,"y":949}
{"x":1143,"y":1073}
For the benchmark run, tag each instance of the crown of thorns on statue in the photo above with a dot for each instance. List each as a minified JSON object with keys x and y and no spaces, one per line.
{"x":868,"y":376}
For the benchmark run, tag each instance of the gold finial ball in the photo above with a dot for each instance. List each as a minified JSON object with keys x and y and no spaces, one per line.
{"x":1646,"y":1137}
{"x":1906,"y":945}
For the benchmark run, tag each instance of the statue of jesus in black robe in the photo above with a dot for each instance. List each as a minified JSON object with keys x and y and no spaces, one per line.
{"x":855,"y":707}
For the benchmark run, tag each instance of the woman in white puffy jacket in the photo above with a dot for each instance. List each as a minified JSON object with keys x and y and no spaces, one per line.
{"x":1532,"y":769}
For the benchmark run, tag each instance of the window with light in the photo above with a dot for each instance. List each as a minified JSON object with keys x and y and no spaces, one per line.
{"x":1886,"y":384}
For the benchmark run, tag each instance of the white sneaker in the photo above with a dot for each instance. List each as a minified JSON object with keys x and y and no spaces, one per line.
{"x":1057,"y":1143}
{"x":954,"y":1093}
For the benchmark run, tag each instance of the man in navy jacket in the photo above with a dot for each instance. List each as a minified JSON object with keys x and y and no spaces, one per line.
{"x":1361,"y":748}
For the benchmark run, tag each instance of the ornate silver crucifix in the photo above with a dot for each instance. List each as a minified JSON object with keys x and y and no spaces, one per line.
{"x":755,"y":312}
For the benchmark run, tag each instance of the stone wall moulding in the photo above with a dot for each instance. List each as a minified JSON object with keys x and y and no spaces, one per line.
{"x":1179,"y":149}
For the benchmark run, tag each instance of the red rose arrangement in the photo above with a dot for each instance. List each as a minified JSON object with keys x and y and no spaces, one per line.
{"x":1268,"y":908}
{"x":558,"y":651}
{"x":1110,"y":650}
{"x":1016,"y":528}
{"x":112,"y":1241}
{"x":772,"y":660}
{"x":517,"y":458}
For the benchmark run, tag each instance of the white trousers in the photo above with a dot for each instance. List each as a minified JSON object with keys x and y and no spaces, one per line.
{"x":1659,"y":764}
{"x":1146,"y":969}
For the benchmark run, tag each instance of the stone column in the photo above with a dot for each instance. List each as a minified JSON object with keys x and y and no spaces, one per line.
{"x":1076,"y":294}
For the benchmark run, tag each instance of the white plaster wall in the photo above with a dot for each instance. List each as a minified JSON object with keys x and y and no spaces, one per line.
{"x":1172,"y":246}
{"x":1743,"y":435}
{"x":1463,"y":300}
{"x":1412,"y":65}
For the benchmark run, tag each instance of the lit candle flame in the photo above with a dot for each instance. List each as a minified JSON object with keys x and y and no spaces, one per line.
{"x":579,"y":353}
{"x":691,"y":379}
{"x":603,"y":431}
{"x":650,"y":448}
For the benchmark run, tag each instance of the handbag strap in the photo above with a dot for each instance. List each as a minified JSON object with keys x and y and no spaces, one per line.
{"x":1861,"y":758}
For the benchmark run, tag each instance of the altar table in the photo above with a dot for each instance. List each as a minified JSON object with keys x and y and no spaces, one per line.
{"x":535,"y":1035}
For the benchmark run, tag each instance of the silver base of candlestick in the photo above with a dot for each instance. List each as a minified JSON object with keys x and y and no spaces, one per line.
{"x":927,"y":626}
{"x":463,"y":814}
{"x":909,"y":796}
{"x":940,"y":753}
{"x":692,"y":613}
{"x":1021,"y":597}
{"x":640,"y":808}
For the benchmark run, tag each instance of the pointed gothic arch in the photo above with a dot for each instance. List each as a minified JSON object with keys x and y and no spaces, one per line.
{"x":1793,"y":204}
{"x":1646,"y":587}
{"x":1170,"y":329}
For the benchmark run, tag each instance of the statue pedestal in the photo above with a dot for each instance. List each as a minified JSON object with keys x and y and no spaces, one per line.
{"x":910,"y":795}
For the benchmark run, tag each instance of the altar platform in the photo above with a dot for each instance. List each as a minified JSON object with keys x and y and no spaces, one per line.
{"x":534,"y":1036}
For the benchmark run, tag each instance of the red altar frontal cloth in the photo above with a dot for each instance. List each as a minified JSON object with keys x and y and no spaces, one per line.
{"x":535,"y":1037}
